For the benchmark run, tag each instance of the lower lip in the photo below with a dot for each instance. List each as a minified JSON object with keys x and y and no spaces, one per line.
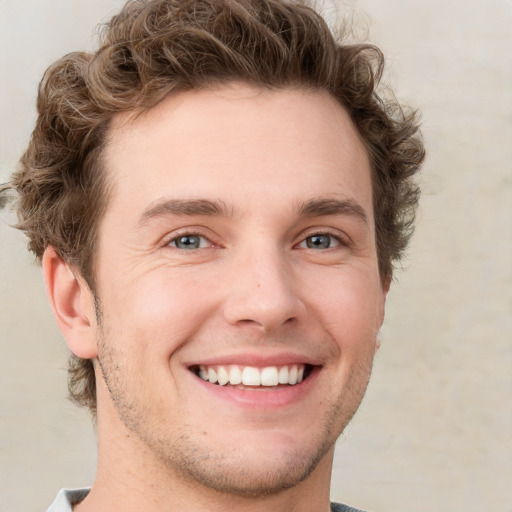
{"x":262,"y":397}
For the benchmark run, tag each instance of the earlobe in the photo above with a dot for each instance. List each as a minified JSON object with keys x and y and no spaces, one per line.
{"x":377,"y":341}
{"x":72,"y":303}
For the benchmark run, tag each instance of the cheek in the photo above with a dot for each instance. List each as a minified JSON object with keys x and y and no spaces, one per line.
{"x":164,"y":309}
{"x":349,"y":309}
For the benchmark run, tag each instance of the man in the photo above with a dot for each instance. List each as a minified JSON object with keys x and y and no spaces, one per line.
{"x":217,"y":196}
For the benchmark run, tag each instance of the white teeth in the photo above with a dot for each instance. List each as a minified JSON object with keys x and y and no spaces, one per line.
{"x":222,"y":375}
{"x":292,"y":377}
{"x":235,"y":375}
{"x":283,"y":375}
{"x":269,"y":376}
{"x":212,"y":375}
{"x":252,"y":376}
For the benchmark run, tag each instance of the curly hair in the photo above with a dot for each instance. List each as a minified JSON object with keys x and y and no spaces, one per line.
{"x":153,"y":48}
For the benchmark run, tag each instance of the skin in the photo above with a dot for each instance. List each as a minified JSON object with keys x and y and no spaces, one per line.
{"x":285,"y":166}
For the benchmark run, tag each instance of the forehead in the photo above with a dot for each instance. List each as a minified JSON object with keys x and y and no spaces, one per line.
{"x":240,"y":145}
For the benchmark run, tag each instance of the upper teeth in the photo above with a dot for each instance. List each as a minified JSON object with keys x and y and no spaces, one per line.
{"x":252,"y":376}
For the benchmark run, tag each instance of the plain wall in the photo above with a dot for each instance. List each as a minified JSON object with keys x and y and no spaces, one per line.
{"x":434,"y":431}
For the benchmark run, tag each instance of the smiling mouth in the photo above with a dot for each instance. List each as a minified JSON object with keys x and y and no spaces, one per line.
{"x":269,"y":376}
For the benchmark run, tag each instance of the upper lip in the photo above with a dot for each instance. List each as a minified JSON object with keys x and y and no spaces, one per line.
{"x":256,"y":359}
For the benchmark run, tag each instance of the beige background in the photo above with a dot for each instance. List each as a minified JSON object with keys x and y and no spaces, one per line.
{"x":434,"y":432}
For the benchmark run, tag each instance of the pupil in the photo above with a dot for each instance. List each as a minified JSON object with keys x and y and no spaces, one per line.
{"x":188,"y":242}
{"x":319,"y":242}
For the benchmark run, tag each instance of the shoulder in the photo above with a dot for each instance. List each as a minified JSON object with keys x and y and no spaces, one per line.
{"x":66,"y":498}
{"x":338,"y":507}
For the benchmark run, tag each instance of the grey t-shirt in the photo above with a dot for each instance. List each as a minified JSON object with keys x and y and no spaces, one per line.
{"x":66,"y":498}
{"x":338,"y":507}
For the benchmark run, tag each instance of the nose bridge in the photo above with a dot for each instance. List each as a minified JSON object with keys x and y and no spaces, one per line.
{"x":263,"y":291}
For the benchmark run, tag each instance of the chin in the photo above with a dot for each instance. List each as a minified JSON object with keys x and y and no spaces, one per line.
{"x":246,"y":476}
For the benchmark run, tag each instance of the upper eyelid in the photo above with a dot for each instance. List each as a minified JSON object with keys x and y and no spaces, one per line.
{"x":338,"y":241}
{"x":325,"y":232}
{"x":342,"y":237}
{"x":339,"y":235}
{"x":170,"y":237}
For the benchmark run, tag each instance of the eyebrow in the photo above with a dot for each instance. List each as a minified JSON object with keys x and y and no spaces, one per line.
{"x":217,"y":208}
{"x":185,"y":207}
{"x":328,"y":206}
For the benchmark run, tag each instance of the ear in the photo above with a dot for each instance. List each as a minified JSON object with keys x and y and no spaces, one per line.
{"x":385,"y":284}
{"x":72,"y":303}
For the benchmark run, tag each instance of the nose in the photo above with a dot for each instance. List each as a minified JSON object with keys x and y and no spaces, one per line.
{"x":263,"y":294}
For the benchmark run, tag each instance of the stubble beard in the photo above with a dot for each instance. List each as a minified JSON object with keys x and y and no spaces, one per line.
{"x":182,"y":454}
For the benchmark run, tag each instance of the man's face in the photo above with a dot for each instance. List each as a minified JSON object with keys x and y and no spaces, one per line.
{"x":239,"y":243}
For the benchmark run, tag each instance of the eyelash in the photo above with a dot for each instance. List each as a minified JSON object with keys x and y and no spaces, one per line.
{"x":341,"y":240}
{"x":187,"y":233}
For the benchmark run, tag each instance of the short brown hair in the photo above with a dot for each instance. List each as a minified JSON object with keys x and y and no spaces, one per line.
{"x":153,"y":48}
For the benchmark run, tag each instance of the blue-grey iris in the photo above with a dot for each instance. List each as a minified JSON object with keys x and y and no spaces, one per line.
{"x":318,"y":241}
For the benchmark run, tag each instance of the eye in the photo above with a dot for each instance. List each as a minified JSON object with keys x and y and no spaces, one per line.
{"x":189,"y":242}
{"x":320,"y":241}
